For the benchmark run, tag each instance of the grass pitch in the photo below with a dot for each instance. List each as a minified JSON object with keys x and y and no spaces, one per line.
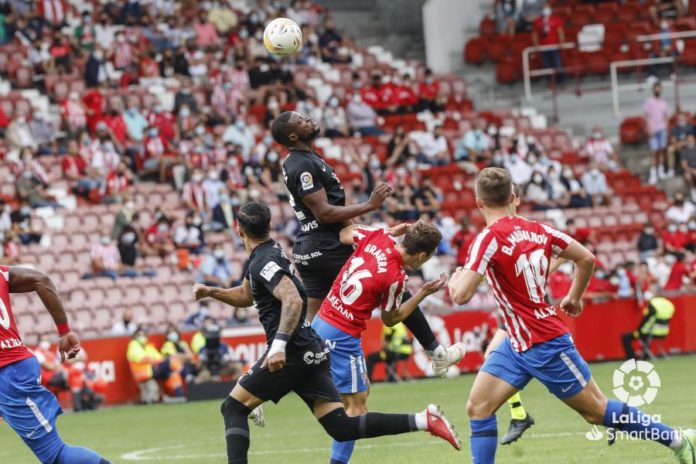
{"x":193,"y":432}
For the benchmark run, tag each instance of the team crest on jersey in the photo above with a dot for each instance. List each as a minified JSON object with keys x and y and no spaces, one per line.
{"x":306,"y":181}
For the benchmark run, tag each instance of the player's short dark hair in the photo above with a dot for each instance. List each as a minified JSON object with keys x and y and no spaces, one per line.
{"x":421,"y":237}
{"x":255,"y":220}
{"x":280,"y":128}
{"x":494,"y":186}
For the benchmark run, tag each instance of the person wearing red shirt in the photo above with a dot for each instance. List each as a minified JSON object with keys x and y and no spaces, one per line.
{"x":677,"y":274}
{"x":164,"y":121}
{"x":583,"y":235}
{"x":94,"y":103}
{"x":560,"y":282}
{"x":158,"y":156}
{"x":599,"y":286}
{"x":116,"y":184}
{"x":675,"y":238}
{"x":406,"y":97}
{"x":370,"y":94}
{"x":548,"y":30}
{"x":429,"y":92}
{"x":113,"y":121}
{"x":462,"y":239}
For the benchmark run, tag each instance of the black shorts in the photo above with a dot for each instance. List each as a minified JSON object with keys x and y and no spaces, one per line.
{"x":306,"y":372}
{"x":319,"y":262}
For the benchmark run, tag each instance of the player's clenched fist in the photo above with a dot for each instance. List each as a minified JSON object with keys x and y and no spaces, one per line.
{"x":68,"y":346}
{"x":274,"y":362}
{"x":571,"y":307}
{"x":200,"y":291}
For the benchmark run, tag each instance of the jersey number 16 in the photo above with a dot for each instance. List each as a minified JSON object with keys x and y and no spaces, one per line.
{"x":351,"y":283}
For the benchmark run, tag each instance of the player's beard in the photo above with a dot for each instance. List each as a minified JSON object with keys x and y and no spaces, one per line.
{"x":314,"y":134}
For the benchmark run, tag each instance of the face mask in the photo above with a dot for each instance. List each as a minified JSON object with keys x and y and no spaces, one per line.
{"x":197,"y":221}
{"x":25,"y":210}
{"x":333,"y":103}
{"x":595,"y":172}
{"x":162,"y":227}
{"x":649,"y":231}
{"x":374,"y":164}
{"x":105,"y":240}
{"x":537,"y":179}
{"x":258,"y":35}
{"x":614,"y":281}
{"x":692,"y":225}
{"x":234,"y":201}
{"x":272,"y":157}
{"x":128,"y":237}
{"x":98,"y":55}
{"x":197,"y":178}
{"x":219,"y":254}
{"x":546,"y":11}
{"x":513,"y":159}
{"x":240,"y":124}
{"x":411,"y":165}
{"x":567,"y":173}
{"x":185,"y":112}
{"x":142,"y":340}
{"x":232,"y":162}
{"x":27,"y":174}
{"x":664,"y":26}
{"x":200,"y":130}
{"x":273,"y":105}
{"x":672,"y":228}
{"x":597,"y":135}
{"x":600,"y":274}
{"x":213,"y":175}
{"x":173,"y":337}
{"x":44,"y":345}
{"x":356,"y":99}
{"x":243,"y":34}
{"x":224,"y":198}
{"x":153,"y":132}
{"x":21,"y":120}
{"x":531,"y":159}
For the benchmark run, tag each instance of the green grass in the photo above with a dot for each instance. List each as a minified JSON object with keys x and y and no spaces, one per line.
{"x":192,"y":433}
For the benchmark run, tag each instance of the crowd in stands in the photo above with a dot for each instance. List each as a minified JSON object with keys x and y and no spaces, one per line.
{"x":181,"y":95}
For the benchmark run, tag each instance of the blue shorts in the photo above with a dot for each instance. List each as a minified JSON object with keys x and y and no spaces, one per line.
{"x":30,"y":409}
{"x":348,"y":368}
{"x":556,"y":363}
{"x":658,"y":140}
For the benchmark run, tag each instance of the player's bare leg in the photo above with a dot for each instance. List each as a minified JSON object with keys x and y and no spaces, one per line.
{"x":596,"y":409}
{"x":521,"y":420}
{"x":487,"y":395}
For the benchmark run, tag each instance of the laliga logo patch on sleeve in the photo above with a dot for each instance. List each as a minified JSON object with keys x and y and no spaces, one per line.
{"x":269,"y":270}
{"x":306,"y":180}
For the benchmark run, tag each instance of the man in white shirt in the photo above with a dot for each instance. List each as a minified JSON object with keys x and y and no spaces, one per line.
{"x":681,"y":210}
{"x":520,"y":171}
{"x":432,"y":147}
{"x":599,"y":149}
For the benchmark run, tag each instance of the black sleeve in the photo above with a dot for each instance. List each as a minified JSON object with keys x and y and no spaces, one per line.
{"x":269,"y":273}
{"x":305,"y":177}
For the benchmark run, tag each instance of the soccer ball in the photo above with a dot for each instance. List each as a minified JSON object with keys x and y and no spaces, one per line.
{"x":282,"y":37}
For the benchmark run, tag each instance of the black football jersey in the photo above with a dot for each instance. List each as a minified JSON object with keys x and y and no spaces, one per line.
{"x":265,"y":268}
{"x":306,"y":172}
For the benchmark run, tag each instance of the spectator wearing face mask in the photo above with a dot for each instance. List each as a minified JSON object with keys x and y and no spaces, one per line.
{"x":272,"y":174}
{"x":474,"y":146}
{"x":678,"y":274}
{"x":600,"y":287}
{"x":136,"y":124}
{"x":117,"y":185}
{"x":43,"y":133}
{"x":206,"y":35}
{"x":96,"y":70}
{"x":164,"y":122}
{"x":595,"y":183}
{"x":429,"y":93}
{"x":520,"y":170}
{"x":224,"y":212}
{"x":537,"y":192}
{"x":159,"y":238}
{"x":215,"y":270}
{"x":212,"y":186}
{"x":31,"y":190}
{"x":334,"y":119}
{"x":405,"y":94}
{"x":184,"y":97}
{"x":598,"y":148}
{"x":194,"y":195}
{"x":240,"y":134}
{"x":657,"y":118}
{"x":432,"y":147}
{"x":362,"y":117}
{"x":681,"y":210}
{"x":329,"y":42}
{"x":427,"y":198}
{"x":548,"y":30}
{"x":175,"y":346}
{"x":647,"y":243}
{"x":125,"y":326}
{"x":675,"y":237}
{"x":189,"y":235}
{"x":19,"y":134}
{"x":106,"y":260}
{"x":74,"y":114}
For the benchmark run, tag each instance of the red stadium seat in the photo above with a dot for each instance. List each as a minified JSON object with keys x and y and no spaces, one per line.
{"x":632,"y":131}
{"x":474,"y":51}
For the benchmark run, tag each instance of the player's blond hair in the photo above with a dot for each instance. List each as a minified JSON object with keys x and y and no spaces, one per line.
{"x":494,"y":187}
{"x":421,"y":237}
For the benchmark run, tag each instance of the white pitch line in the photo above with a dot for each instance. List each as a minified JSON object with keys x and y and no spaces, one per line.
{"x":140,"y":455}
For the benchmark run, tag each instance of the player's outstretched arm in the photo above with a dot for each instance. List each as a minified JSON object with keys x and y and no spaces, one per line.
{"x":25,"y":280}
{"x":584,"y":267}
{"x":239,"y":297}
{"x":347,"y":234}
{"x":326,"y":213}
{"x":392,"y":317}
{"x":463,"y":284}
{"x":290,"y":313}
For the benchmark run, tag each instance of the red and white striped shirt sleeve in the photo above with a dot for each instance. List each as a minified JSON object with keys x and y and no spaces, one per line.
{"x":361,"y":233}
{"x":559,"y":240}
{"x":392,"y":299}
{"x":481,"y":251}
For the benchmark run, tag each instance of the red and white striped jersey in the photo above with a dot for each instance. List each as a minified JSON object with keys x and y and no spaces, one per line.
{"x":373,"y":277}
{"x":514,"y":254}
{"x":11,"y":347}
